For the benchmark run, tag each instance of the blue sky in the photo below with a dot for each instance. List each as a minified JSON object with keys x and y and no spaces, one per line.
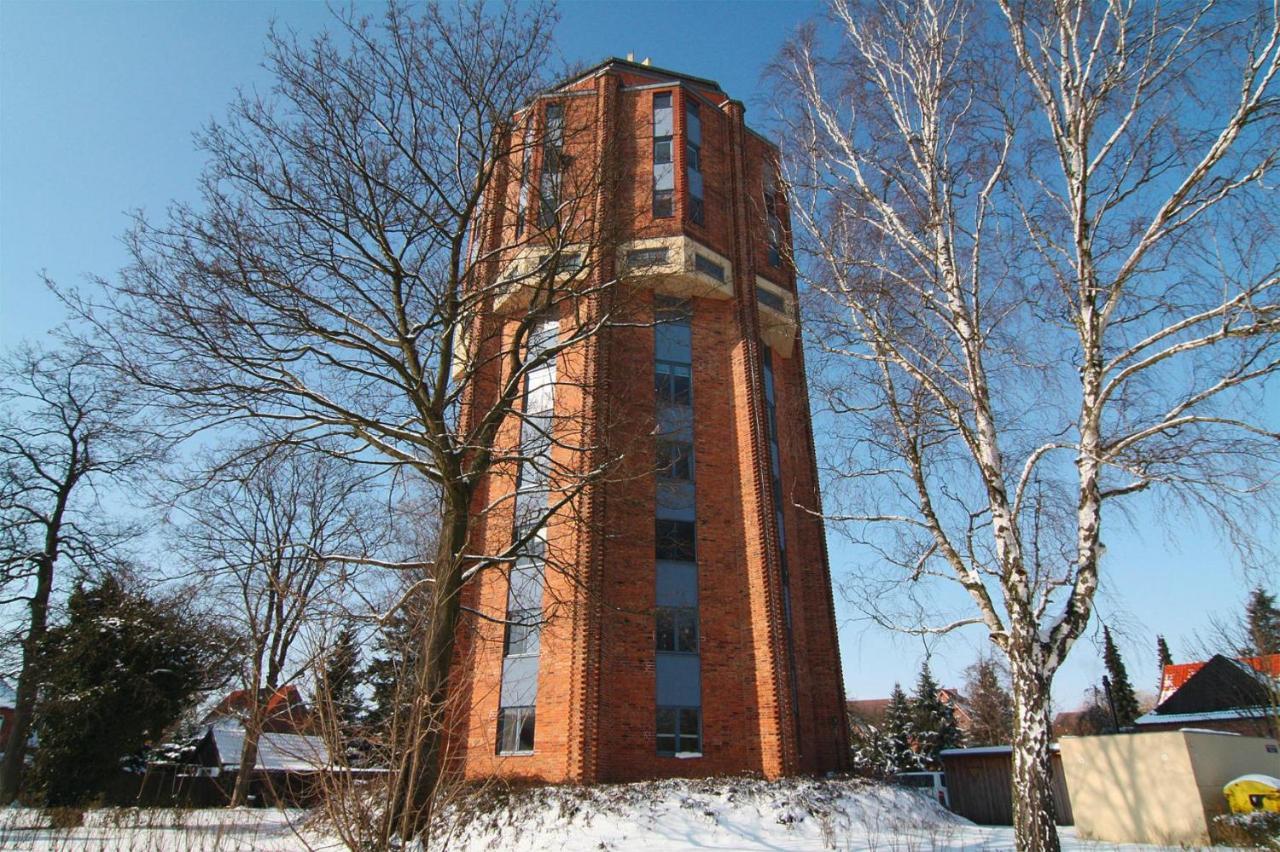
{"x":98,"y":103}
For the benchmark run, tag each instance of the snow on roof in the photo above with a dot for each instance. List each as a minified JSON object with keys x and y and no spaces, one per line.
{"x":1253,"y":776}
{"x":987,"y":750}
{"x":279,"y":752}
{"x":1207,"y":716}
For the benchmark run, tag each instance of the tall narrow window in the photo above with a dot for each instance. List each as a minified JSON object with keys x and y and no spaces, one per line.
{"x":521,"y":644}
{"x":552,"y":166}
{"x":526,"y":158}
{"x":773,"y":221}
{"x":664,"y":185}
{"x":693,"y":160}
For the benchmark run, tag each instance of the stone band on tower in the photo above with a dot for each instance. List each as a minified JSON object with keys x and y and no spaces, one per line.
{"x":689,"y":628}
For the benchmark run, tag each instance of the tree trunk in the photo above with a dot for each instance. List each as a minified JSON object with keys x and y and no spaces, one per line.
{"x":248,"y":760}
{"x":420,"y":775}
{"x":15,"y":754}
{"x":1034,"y":824}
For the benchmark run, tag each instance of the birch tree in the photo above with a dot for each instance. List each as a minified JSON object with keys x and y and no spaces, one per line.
{"x":337,"y":281}
{"x":1041,"y":242}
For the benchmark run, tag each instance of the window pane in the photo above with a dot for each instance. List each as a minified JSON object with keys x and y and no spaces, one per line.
{"x":675,"y":540}
{"x":693,"y":157}
{"x":662,"y":100}
{"x":666,"y":630}
{"x":671,"y":382}
{"x":687,"y":631}
{"x":662,"y":149}
{"x":690,"y":721}
{"x":708,"y":266}
{"x":526,"y":729}
{"x":698,"y":215}
{"x":666,"y":730}
{"x":689,"y":744}
{"x":675,"y":460}
{"x":663,"y":207}
{"x":681,"y":390}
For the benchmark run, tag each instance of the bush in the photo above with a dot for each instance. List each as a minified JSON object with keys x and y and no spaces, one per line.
{"x":1257,"y":830}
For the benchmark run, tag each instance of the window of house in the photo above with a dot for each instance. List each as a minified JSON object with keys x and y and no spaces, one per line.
{"x":675,"y":459}
{"x":693,"y":160}
{"x":515,"y":730}
{"x":677,"y":629}
{"x":552,"y":165}
{"x":639,"y":258}
{"x":773,"y":224}
{"x":674,"y":540}
{"x":673,"y":383}
{"x":679,"y":730}
{"x":664,"y":182}
{"x":708,"y":266}
{"x":664,"y":203}
{"x":521,"y":633}
{"x":770,"y":299}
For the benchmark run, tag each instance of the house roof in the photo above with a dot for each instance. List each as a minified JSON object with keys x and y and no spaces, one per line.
{"x":276,"y":752}
{"x":286,"y":712}
{"x":1173,"y":677}
{"x":868,"y":708}
{"x":1219,"y":685}
{"x":638,"y":68}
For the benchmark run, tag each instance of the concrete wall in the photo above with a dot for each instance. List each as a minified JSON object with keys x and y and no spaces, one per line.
{"x":1160,"y":788}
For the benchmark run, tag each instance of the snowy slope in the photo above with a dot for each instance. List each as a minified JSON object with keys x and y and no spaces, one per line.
{"x":725,"y":815}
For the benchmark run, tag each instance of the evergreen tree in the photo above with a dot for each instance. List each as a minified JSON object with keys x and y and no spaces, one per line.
{"x":1162,"y":650}
{"x":935,"y":720}
{"x":1122,"y":695}
{"x":899,"y":731}
{"x":391,"y":668}
{"x":342,"y":677}
{"x":119,"y":672}
{"x":990,"y":705}
{"x":1262,"y":624}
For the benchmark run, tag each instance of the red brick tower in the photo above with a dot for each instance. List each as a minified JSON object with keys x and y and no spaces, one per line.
{"x":694,"y":632}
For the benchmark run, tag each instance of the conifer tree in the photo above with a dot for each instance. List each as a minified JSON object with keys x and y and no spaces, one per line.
{"x":899,"y":731}
{"x":1162,"y":650}
{"x":1122,"y":694}
{"x":1262,"y":624}
{"x":342,"y":677}
{"x":990,"y":705}
{"x":935,"y":720}
{"x":119,"y":672}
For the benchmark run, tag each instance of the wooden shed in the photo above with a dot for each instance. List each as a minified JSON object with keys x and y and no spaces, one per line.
{"x":980,"y":784}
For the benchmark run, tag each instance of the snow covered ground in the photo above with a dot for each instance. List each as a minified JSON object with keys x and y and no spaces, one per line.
{"x":728,"y":815}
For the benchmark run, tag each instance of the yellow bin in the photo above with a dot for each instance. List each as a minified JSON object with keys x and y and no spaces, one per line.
{"x":1250,"y":793}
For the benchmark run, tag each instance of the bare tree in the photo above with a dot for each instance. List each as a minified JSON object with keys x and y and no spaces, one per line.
{"x":66,"y":431}
{"x":263,"y":537}
{"x":376,"y":245}
{"x":1042,"y":240}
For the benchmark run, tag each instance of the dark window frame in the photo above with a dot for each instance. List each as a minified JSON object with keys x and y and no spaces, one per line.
{"x":525,"y":719}
{"x":707,"y":266}
{"x":675,"y":460}
{"x":675,"y":540}
{"x":667,"y":384}
{"x":523,"y":629}
{"x":676,"y":630}
{"x":679,"y":721}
